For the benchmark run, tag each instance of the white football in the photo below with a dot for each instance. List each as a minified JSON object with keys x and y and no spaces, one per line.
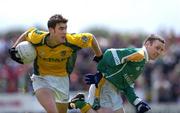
{"x":26,"y":52}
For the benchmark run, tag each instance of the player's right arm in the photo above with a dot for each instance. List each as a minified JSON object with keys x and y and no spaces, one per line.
{"x":13,"y":51}
{"x":22,"y":37}
{"x":105,"y":62}
{"x":102,"y":67}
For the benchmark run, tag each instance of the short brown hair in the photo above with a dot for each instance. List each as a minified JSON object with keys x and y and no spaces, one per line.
{"x":57,"y":18}
{"x":153,"y":37}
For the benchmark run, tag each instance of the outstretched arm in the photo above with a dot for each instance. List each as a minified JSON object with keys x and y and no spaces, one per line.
{"x":13,"y":51}
{"x":140,"y":105}
{"x":96,"y":48}
{"x":20,"y":39}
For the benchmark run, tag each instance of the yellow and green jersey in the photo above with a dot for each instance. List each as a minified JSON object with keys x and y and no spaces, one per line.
{"x":121,"y":67}
{"x":58,"y":60}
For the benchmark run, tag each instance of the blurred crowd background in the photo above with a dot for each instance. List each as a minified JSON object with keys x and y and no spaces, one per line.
{"x":158,"y":83}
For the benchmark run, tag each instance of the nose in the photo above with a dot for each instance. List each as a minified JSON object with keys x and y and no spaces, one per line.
{"x":158,"y":52}
{"x":64,"y":30}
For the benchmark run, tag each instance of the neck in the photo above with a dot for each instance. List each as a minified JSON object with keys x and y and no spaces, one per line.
{"x":52,"y":41}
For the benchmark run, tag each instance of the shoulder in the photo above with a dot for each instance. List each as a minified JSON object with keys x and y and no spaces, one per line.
{"x":36,"y":36}
{"x":83,"y":36}
{"x":80,"y":39}
{"x":136,"y":55}
{"x":125,"y":54}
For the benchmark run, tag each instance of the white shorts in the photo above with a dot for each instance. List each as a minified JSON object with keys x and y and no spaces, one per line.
{"x":59,"y":85}
{"x":109,"y":96}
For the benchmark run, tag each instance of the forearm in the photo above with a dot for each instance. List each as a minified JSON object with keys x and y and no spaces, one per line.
{"x":130,"y":94}
{"x":96,"y":48}
{"x":20,"y":39}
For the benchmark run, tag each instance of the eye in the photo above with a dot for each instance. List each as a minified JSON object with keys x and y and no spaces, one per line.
{"x":62,"y":28}
{"x":162,"y":50}
{"x":157,"y":48}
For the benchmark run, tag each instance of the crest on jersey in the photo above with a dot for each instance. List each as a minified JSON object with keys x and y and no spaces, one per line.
{"x":84,"y":39}
{"x":63,"y":53}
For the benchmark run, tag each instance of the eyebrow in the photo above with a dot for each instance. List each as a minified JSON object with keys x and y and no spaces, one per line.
{"x":62,"y":27}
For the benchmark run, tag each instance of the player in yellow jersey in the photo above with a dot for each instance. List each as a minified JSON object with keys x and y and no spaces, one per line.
{"x":56,"y":55}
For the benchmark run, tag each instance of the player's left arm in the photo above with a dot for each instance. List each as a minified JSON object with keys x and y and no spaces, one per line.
{"x":97,"y":50}
{"x":130,"y":94}
{"x":140,"y":105}
{"x":87,"y":40}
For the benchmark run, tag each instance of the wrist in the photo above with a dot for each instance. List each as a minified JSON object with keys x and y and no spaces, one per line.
{"x":80,"y":104}
{"x":136,"y":101}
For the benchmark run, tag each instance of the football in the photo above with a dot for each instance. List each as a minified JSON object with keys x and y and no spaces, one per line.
{"x":26,"y":51}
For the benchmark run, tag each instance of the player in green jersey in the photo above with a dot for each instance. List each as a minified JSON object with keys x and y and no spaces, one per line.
{"x":117,"y":71}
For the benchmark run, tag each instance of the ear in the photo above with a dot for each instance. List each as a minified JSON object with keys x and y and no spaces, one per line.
{"x":149,"y":43}
{"x":51,"y":30}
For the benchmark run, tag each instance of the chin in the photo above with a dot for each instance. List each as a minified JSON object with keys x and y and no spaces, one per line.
{"x":154,"y":58}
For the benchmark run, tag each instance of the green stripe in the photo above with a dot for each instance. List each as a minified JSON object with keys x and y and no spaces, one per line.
{"x":72,"y":46}
{"x":71,"y":60}
{"x":36,"y":67}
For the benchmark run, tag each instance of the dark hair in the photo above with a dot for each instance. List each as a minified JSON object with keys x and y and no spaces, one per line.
{"x":151,"y":38}
{"x":57,"y":18}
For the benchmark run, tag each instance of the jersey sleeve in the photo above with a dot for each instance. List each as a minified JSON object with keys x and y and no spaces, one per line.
{"x":134,"y":56}
{"x":35,"y":36}
{"x":83,"y":40}
{"x":105,"y":62}
{"x":130,"y":94}
{"x":120,"y":56}
{"x":114,"y":57}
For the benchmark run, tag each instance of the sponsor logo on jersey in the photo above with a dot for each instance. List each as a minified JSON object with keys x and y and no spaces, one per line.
{"x":53,"y":59}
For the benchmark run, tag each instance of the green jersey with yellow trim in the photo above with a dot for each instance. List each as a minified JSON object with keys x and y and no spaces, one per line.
{"x":121,"y":67}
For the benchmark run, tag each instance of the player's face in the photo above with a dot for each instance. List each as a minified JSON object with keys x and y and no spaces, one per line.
{"x":60,"y":30}
{"x":155,"y":49}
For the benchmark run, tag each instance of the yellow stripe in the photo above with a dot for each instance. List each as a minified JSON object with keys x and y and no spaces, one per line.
{"x":98,"y":90}
{"x":85,"y":108}
{"x":138,"y":56}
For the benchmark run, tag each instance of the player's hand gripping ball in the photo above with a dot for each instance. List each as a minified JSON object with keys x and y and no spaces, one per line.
{"x":24,"y":53}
